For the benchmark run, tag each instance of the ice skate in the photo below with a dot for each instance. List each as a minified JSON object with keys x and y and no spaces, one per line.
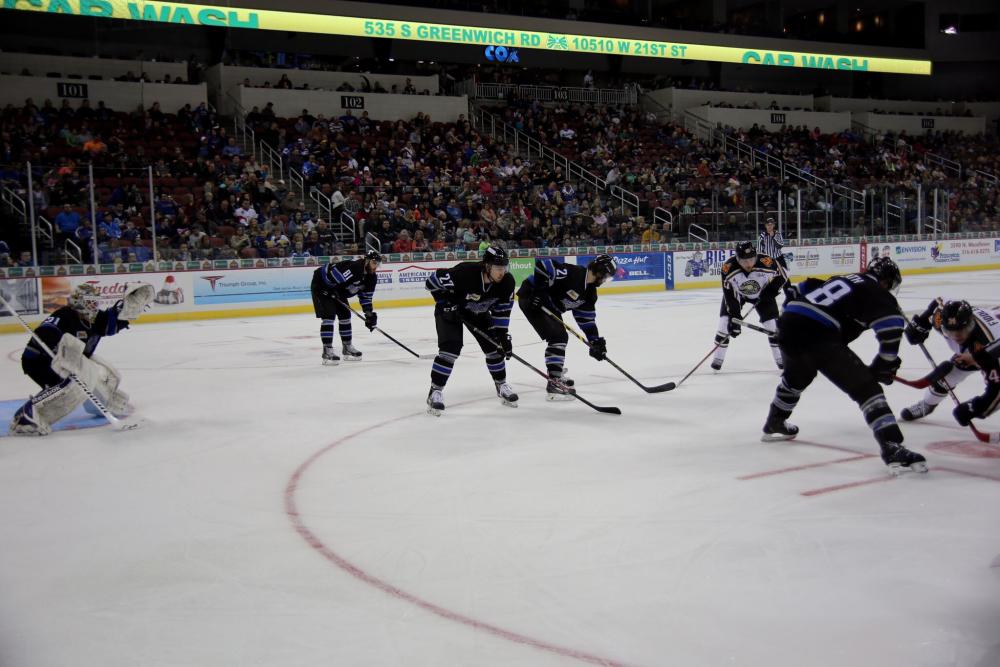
{"x":506,"y":394}
{"x":916,"y":411}
{"x":351,"y":353}
{"x":775,"y":431}
{"x":330,"y":357}
{"x":901,"y":460}
{"x":435,"y":402}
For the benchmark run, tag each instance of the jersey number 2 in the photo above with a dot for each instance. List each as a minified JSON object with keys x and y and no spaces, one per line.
{"x":833,"y":291}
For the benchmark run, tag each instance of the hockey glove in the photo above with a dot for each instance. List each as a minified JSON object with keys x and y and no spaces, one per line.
{"x":917,"y":330}
{"x":734,"y":328}
{"x":505,"y":341}
{"x":599,"y":349}
{"x":371,"y":319}
{"x":540,"y":299}
{"x":451,"y":312}
{"x":885,"y":371}
{"x":964,"y":412}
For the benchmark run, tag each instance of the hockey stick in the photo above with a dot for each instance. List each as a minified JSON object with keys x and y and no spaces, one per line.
{"x":348,"y":306}
{"x":608,"y":410}
{"x":922,"y":383}
{"x":114,"y":421}
{"x":710,"y":353}
{"x":993,"y":438}
{"x":752,"y":327}
{"x":649,"y":390}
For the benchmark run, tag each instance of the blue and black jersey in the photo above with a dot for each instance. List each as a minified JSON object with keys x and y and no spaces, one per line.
{"x":465,"y":286}
{"x":346,"y":279}
{"x":67,"y":320}
{"x":567,"y":289}
{"x":849,"y":305}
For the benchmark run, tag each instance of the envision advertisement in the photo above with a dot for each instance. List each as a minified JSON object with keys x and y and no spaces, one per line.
{"x":265,"y":19}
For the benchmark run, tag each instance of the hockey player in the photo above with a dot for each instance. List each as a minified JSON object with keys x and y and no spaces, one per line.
{"x":332,"y":286}
{"x":817,"y":326}
{"x":72,"y":333}
{"x":973,"y":334}
{"x":748,"y":277}
{"x":480,"y":294}
{"x":560,"y":287}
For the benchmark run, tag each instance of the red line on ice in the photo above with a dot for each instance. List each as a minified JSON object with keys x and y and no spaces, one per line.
{"x":806,"y":466}
{"x":291,"y":509}
{"x":849,"y":485}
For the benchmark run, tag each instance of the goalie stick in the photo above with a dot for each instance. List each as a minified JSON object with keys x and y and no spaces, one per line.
{"x":649,"y":390}
{"x":114,"y":421}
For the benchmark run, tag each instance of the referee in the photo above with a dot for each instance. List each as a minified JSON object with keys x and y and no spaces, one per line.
{"x":770,"y":243}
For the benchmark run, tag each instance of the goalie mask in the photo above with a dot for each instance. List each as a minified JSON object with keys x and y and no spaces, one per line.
{"x":85,"y":300}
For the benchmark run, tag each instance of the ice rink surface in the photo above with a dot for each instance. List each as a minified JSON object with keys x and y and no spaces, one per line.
{"x":274,"y":511}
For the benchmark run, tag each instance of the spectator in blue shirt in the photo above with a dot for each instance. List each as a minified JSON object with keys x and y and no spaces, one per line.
{"x":232,"y":149}
{"x":68,"y":220}
{"x":110,"y":227}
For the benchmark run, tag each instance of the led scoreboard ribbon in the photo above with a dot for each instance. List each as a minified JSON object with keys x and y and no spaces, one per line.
{"x":266,"y":19}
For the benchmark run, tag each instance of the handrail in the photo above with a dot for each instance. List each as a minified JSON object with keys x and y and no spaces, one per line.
{"x":323,"y":205}
{"x":349,"y":224}
{"x":991,"y":178}
{"x":948,"y":165}
{"x":14,"y":202}
{"x":296,"y":183}
{"x":373,"y":242}
{"x":68,"y":250}
{"x":46,"y":230}
{"x":691,"y":233}
{"x":272,"y":158}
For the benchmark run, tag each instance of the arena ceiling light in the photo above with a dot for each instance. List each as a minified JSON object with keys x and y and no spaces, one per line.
{"x":178,"y":13}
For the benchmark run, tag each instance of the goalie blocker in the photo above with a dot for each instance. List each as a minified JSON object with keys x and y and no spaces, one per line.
{"x":73,"y":332}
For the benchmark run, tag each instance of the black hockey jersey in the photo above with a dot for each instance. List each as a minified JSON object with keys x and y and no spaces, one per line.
{"x":67,"y":320}
{"x":465,"y":285}
{"x":566,"y":286}
{"x":346,"y":279}
{"x":851,"y":304}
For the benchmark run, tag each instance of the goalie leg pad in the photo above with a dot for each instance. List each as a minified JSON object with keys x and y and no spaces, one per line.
{"x":106,"y":381}
{"x":46,"y":408}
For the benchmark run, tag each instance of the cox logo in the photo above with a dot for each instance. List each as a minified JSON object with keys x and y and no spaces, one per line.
{"x":501,"y":54}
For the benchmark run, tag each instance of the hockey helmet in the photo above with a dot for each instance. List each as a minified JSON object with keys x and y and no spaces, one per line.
{"x":86,"y":300}
{"x":373,"y":256}
{"x":956,"y":316}
{"x":495,"y":256}
{"x":603,"y":266}
{"x":745,"y":250}
{"x":885,"y":270}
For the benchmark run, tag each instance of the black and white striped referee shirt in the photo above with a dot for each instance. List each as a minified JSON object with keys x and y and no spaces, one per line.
{"x":770,"y":245}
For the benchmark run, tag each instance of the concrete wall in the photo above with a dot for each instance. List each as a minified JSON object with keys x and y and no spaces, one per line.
{"x":118,"y":96}
{"x":917,"y":124}
{"x":830,"y":103}
{"x":229,"y":79}
{"x":109,"y":68}
{"x":828,"y":122}
{"x":290,"y":103}
{"x":680,"y":99}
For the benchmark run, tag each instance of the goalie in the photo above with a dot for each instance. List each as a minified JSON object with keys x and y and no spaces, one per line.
{"x":72,"y":333}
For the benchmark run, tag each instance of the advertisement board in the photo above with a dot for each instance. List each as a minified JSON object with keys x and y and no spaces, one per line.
{"x":230,"y":16}
{"x":633,"y":267}
{"x":173,"y":290}
{"x":22,"y":295}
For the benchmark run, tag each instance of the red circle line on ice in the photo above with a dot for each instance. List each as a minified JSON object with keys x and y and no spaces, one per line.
{"x":356,"y":571}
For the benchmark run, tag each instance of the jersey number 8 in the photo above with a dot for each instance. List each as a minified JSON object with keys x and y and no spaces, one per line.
{"x":829,"y":293}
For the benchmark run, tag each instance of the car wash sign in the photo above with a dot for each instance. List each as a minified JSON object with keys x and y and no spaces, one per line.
{"x":511,"y":39}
